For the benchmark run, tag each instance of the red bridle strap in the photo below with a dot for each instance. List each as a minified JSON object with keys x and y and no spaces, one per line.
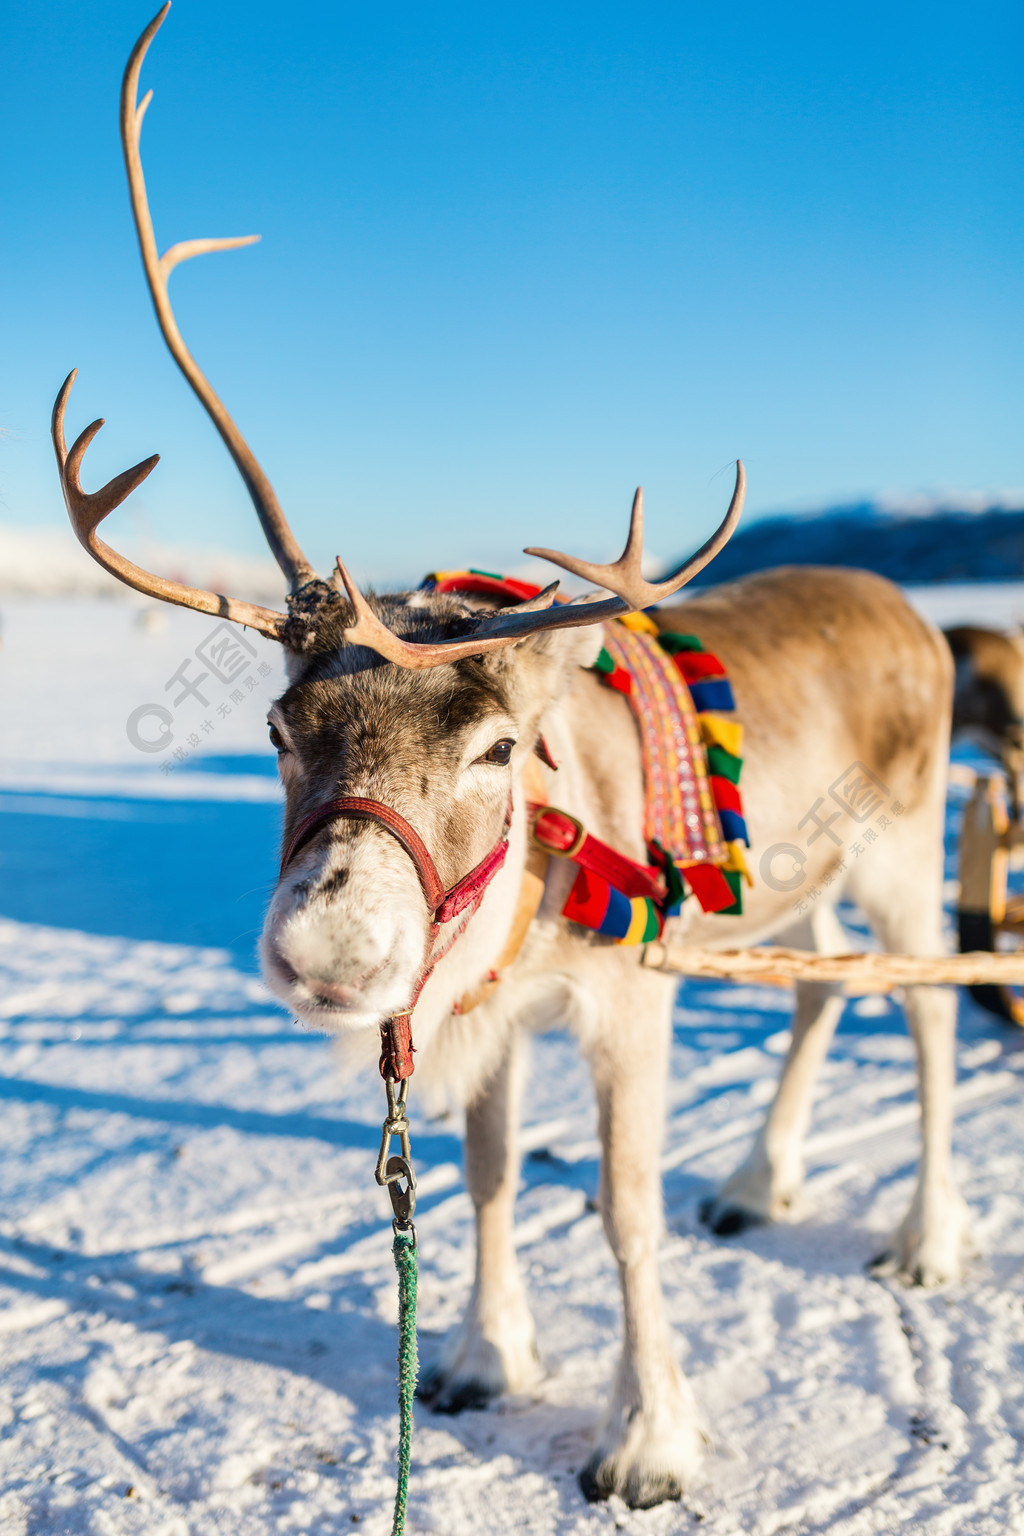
{"x":443,"y":905}
{"x":396,"y":1033}
{"x":354,"y":808}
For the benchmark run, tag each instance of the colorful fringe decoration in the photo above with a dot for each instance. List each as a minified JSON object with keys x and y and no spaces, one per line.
{"x":480,"y":584}
{"x":692,"y":756}
{"x":595,"y":904}
{"x":679,"y":808}
{"x":694,"y":823}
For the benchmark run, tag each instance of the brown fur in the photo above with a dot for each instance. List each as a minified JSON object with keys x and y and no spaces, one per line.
{"x":988,"y":701}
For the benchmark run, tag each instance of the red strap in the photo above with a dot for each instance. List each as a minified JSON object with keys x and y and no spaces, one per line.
{"x":483,"y":584}
{"x":558,"y":832}
{"x":357,"y":809}
{"x":444,"y":905}
{"x":396,"y":1047}
{"x":472,"y":886}
{"x":396,"y":1033}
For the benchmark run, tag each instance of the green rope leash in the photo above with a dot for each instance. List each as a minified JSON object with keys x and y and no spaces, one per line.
{"x":408,"y":1365}
{"x":398,"y":1178}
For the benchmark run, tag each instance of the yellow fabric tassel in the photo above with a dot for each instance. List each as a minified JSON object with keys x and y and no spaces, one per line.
{"x":736,"y":861}
{"x":635,"y":932}
{"x":642,"y":623}
{"x":720,"y":732}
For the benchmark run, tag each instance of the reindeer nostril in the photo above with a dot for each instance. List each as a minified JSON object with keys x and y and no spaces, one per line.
{"x":289,"y":972}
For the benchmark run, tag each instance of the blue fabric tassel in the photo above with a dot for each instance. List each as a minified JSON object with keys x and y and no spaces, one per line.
{"x":734,"y":828}
{"x":618,"y":917}
{"x":716,"y":694}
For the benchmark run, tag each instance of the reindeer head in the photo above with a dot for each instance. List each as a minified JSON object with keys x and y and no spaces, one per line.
{"x":425,"y":705}
{"x":351,"y":922}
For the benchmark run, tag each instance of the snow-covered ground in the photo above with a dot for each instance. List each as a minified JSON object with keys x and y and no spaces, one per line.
{"x":197,"y":1331}
{"x":49,"y":562}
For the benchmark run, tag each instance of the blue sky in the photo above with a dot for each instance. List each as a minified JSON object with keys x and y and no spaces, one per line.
{"x":515,"y":260}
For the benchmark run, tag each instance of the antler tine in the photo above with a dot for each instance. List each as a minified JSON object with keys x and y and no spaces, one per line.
{"x":87,"y":510}
{"x":372,"y":632}
{"x":158,"y":269}
{"x":625,"y":577}
{"x":625,"y":574}
{"x":509,"y":626}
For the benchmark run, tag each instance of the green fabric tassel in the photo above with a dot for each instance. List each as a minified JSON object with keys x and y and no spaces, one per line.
{"x":724,"y":763}
{"x":604,"y":662}
{"x":671,"y":642}
{"x":675,"y":887}
{"x":734,"y":880}
{"x":652,"y":928}
{"x":408,"y":1366}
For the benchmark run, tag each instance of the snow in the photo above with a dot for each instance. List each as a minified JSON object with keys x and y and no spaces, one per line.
{"x":999,"y":604}
{"x":197,"y":1331}
{"x":49,"y":562}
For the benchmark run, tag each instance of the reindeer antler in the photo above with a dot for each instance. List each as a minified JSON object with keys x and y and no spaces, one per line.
{"x":510,"y":625}
{"x":371,"y":631}
{"x":87,"y":510}
{"x":490,"y":632}
{"x":625,"y":577}
{"x":158,"y":269}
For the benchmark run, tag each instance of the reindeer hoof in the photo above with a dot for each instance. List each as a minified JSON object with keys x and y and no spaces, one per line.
{"x":475,"y":1368}
{"x":444,"y":1394}
{"x":885,"y":1266}
{"x":598,"y":1481}
{"x":917,"y":1268}
{"x":727,"y":1220}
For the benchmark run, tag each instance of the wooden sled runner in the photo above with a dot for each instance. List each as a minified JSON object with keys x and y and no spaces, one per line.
{"x":990,"y":925}
{"x":988,"y":916}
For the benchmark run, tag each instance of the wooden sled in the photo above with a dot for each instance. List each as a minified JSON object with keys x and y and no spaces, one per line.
{"x":988,"y":917}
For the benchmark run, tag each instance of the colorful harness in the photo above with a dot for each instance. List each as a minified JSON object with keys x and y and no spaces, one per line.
{"x":694,"y":827}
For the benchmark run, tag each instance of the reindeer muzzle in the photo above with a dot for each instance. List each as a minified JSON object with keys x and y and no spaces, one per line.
{"x":443,"y":905}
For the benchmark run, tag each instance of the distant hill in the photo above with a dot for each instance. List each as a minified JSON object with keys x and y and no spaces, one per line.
{"x":933,"y":544}
{"x":922,"y":543}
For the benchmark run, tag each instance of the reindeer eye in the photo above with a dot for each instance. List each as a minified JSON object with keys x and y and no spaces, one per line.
{"x":277,"y":740}
{"x":501,"y":752}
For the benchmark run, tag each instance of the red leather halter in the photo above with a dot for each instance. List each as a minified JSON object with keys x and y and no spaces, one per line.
{"x":443,"y":905}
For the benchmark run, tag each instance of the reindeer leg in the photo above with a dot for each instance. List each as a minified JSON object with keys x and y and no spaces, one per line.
{"x":928,"y":1245}
{"x":903,"y":905}
{"x":766,"y":1186}
{"x":493,"y":1351}
{"x":650,"y":1440}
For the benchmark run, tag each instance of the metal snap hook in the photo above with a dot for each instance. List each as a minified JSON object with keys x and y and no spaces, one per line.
{"x":403,"y":1199}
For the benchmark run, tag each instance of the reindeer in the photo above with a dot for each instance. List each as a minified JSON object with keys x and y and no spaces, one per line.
{"x":988,"y":697}
{"x":408,"y":744}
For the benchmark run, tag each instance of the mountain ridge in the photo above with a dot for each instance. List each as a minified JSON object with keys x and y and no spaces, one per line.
{"x":945,"y":544}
